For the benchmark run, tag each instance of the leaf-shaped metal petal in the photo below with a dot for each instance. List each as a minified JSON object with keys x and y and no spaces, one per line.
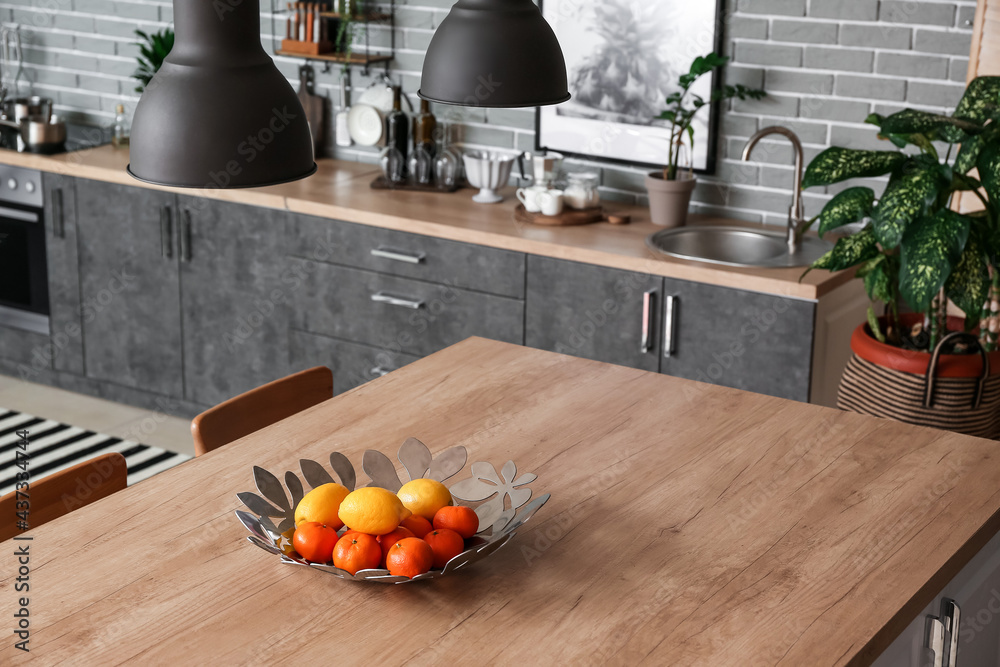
{"x":345,"y":471}
{"x":448,"y":463}
{"x":509,"y":471}
{"x":252,"y":523}
{"x":473,"y":490}
{"x":526,"y":478}
{"x":270,"y":487}
{"x":270,"y":528}
{"x":383,"y":473}
{"x":505,"y":518}
{"x":518,"y":497}
{"x":258,"y":505}
{"x":527,"y":512}
{"x":266,"y":546}
{"x":286,"y":524}
{"x":314,"y":473}
{"x":485,"y":471}
{"x":294,"y":487}
{"x":490,"y":511}
{"x":415,"y":457}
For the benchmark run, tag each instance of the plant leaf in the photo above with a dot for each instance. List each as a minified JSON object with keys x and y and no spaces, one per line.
{"x":905,"y":199}
{"x":839,"y":164}
{"x":988,"y":163}
{"x":911,"y":121}
{"x":932,"y":246}
{"x":969,"y":152}
{"x":847,"y":207}
{"x":849,"y":251}
{"x":969,"y":283}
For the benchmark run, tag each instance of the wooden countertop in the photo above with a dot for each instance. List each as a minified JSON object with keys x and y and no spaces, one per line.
{"x":771,"y":533}
{"x":340,"y":190}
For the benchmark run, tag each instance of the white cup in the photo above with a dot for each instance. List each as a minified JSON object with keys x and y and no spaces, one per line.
{"x":530,"y":198}
{"x":551,"y":202}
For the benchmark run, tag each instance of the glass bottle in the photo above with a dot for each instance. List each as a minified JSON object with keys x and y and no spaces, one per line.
{"x":397,"y":126}
{"x":121,"y":131}
{"x":424,"y":126}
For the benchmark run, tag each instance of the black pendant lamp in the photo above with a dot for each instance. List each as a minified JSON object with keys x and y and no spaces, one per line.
{"x":494,"y":53}
{"x":219,"y":114}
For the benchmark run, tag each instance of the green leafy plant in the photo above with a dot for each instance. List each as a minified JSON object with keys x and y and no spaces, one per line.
{"x":152,"y":50}
{"x":683,"y":105}
{"x":914,"y":248}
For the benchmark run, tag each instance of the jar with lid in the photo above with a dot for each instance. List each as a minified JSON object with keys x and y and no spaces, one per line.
{"x":581,"y":190}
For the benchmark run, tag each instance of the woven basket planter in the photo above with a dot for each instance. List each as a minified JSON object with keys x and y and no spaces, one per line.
{"x":955,"y":392}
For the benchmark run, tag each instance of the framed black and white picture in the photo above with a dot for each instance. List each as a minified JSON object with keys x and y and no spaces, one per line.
{"x":624,"y":57}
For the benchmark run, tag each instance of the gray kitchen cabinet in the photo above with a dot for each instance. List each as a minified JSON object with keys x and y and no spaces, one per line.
{"x":129,"y":286}
{"x":745,"y":340}
{"x":64,"y":272}
{"x":352,"y":364}
{"x":593,"y":312}
{"x":234,"y":297}
{"x":393,"y":313}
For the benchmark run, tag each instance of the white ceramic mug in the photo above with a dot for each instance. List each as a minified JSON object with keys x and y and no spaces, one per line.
{"x":551,"y":202}
{"x":530,"y":198}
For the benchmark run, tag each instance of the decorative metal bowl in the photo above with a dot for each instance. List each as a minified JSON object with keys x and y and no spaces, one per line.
{"x":503,"y":503}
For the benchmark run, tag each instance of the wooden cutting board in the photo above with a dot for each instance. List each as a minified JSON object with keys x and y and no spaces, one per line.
{"x":314,"y":106}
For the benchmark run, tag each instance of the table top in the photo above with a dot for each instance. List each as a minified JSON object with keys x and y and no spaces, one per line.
{"x":689,"y":524}
{"x":340,"y":190}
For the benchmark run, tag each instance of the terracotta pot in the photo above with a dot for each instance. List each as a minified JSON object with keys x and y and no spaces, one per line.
{"x":669,"y":200}
{"x":865,"y":346}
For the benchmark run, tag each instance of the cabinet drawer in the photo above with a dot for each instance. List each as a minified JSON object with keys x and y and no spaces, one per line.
{"x":32,"y":350}
{"x":352,"y":364}
{"x":394,"y":313}
{"x":462,"y":265}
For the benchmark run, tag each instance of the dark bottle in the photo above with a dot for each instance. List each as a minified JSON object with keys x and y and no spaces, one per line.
{"x":424,"y":127}
{"x":398,"y":126}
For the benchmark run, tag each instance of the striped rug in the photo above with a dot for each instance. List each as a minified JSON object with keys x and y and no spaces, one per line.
{"x":53,"y":446}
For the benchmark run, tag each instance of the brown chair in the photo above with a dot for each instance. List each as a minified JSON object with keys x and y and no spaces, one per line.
{"x":260,"y":407}
{"x":60,"y":493}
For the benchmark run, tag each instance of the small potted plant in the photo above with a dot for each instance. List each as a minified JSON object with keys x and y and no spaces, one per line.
{"x":152,"y":50}
{"x":916,"y":251}
{"x":670,"y":189}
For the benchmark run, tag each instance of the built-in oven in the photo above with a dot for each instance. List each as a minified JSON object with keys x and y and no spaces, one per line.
{"x":24,"y":282}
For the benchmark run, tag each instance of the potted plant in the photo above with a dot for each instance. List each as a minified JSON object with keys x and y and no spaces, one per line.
{"x":670,"y":189}
{"x":152,"y":50}
{"x":916,"y":252}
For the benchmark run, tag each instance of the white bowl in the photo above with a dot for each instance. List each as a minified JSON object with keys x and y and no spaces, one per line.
{"x":489,"y":172}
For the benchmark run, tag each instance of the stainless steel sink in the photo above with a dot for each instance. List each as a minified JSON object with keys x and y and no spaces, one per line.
{"x":736,"y":246}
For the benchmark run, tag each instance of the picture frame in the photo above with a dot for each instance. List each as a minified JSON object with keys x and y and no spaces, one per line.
{"x":611,"y":116}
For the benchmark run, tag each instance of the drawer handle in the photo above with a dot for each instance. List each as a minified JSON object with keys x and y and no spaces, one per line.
{"x":58,"y":214}
{"x":186,"y":237}
{"x":166,"y":233}
{"x":379,"y":371}
{"x":669,"y":325}
{"x":648,"y":299}
{"x":401,"y":301}
{"x":399,"y":255}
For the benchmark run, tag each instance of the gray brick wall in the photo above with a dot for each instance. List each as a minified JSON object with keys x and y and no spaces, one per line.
{"x":827,"y":64}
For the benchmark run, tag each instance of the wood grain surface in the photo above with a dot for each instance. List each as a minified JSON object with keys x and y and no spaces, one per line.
{"x":340,"y":190}
{"x":689,"y":525}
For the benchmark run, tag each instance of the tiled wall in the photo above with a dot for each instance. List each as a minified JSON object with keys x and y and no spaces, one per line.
{"x":826,"y":63}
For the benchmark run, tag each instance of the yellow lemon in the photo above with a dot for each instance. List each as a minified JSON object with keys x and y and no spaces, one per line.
{"x":322,"y":505}
{"x":424,"y":497}
{"x":372,"y":510}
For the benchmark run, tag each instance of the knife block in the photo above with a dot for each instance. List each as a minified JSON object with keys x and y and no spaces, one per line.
{"x":306,"y":48}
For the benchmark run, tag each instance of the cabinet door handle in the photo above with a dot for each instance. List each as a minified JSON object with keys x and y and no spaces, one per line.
{"x":951,"y":614}
{"x":399,"y":255}
{"x":669,"y":325}
{"x":186,"y":237}
{"x":401,"y":301}
{"x":166,"y":233}
{"x":380,"y":371}
{"x":935,"y":640}
{"x":648,"y":303}
{"x":58,"y":214}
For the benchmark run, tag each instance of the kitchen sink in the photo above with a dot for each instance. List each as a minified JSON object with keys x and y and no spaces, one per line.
{"x":736,"y":246}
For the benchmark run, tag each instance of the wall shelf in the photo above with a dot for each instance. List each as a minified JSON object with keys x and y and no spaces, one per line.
{"x":361,"y":55}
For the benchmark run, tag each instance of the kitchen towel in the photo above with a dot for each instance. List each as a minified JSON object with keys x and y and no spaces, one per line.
{"x":54,"y":446}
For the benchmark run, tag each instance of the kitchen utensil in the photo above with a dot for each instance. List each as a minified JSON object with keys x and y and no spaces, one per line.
{"x":545,"y":167}
{"x":40,"y":134}
{"x":529,"y":197}
{"x":10,"y":40}
{"x":343,"y":130}
{"x":366,"y":125}
{"x":582,"y":192}
{"x":497,"y":525}
{"x":489,"y":172}
{"x":314,"y":106}
{"x":551,"y":202}
{"x":379,"y":95}
{"x":24,"y":107}
{"x":568,"y":218}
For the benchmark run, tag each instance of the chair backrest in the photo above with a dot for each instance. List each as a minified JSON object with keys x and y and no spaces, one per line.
{"x":60,"y":493}
{"x":260,"y":407}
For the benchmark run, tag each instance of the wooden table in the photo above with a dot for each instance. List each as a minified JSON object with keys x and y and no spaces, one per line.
{"x":689,"y":525}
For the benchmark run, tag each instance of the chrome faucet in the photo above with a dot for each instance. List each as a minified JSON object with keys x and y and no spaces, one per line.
{"x":796,"y":216}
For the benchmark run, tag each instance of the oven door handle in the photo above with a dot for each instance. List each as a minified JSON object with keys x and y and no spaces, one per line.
{"x":18,"y":214}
